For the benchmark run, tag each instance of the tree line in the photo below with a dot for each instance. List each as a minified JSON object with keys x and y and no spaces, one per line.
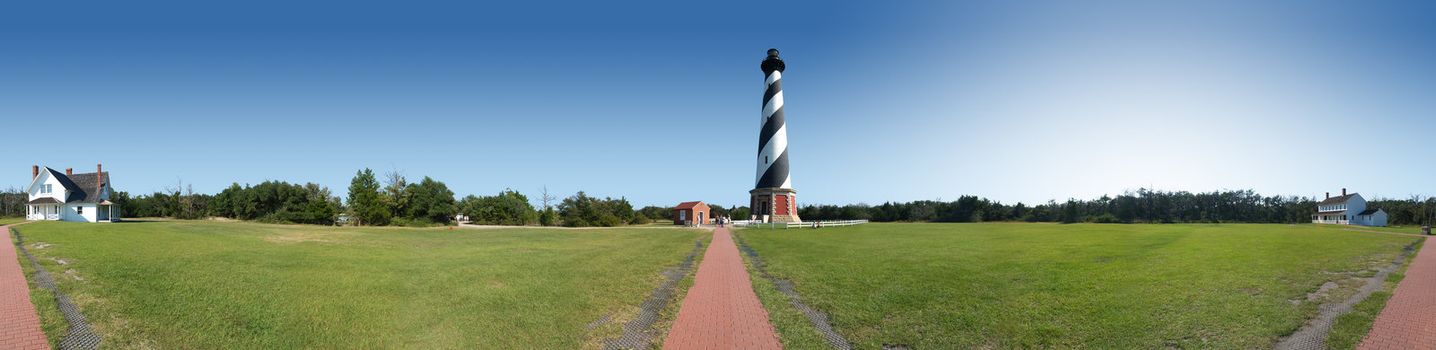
{"x":395,"y":201}
{"x":398,"y":202}
{"x":1140,"y":206}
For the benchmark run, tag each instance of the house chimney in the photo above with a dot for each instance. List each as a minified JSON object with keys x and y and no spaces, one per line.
{"x":1343,"y":192}
{"x":34,"y":171}
{"x":1328,"y":195}
{"x":99,"y":170}
{"x":69,"y":171}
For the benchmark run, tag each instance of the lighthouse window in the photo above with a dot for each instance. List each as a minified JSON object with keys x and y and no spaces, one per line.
{"x":765,"y":159}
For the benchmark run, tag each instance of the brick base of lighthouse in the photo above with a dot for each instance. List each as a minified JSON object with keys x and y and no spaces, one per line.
{"x":774,"y":205}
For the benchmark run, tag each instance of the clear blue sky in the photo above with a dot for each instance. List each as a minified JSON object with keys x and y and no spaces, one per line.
{"x":659,"y":101}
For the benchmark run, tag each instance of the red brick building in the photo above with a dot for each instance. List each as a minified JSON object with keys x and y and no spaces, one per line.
{"x":689,"y":213}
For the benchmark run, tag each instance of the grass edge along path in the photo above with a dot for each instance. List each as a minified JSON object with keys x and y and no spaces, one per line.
{"x":1350,"y":328}
{"x":799,"y":326}
{"x":19,"y":322}
{"x":1317,"y":330}
{"x":638,"y":332}
{"x":1408,"y":320}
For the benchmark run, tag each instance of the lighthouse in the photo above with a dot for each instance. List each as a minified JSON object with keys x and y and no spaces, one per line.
{"x":773,"y":196}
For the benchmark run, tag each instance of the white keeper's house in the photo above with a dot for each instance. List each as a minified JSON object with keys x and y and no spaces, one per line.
{"x":69,"y":196}
{"x":1347,"y":209}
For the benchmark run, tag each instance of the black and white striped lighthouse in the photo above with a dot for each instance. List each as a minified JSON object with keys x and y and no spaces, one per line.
{"x":773,"y":196}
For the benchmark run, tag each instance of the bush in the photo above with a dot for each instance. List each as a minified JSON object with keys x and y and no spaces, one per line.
{"x":430,"y":200}
{"x":548,"y":217}
{"x":507,"y":208}
{"x":580,"y":210}
{"x":408,"y":222}
{"x":279,"y":202}
{"x":1106,"y":219}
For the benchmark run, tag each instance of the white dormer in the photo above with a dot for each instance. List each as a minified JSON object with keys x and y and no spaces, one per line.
{"x":48,"y":185}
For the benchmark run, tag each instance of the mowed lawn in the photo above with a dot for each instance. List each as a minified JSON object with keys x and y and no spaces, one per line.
{"x":193,"y":284}
{"x":1010,"y":285}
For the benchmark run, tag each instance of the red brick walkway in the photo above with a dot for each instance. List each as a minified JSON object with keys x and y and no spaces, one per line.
{"x":721,"y":311}
{"x":1409,"y":319}
{"x":19,"y":324}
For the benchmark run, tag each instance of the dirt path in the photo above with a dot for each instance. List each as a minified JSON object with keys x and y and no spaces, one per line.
{"x":1409,"y":319}
{"x":19,"y":323}
{"x":721,"y":311}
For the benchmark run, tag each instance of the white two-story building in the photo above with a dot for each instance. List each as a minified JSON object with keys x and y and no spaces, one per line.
{"x":1347,"y":209}
{"x":70,"y":197}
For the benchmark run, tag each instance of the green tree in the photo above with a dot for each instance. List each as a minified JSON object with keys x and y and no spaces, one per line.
{"x":581,"y":210}
{"x":364,"y":199}
{"x":578,"y":210}
{"x":396,"y":194}
{"x":1070,"y":213}
{"x":431,"y":201}
{"x":507,"y":208}
{"x":548,"y":217}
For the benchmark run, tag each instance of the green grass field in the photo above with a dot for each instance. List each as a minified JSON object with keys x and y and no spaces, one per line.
{"x":192,"y":284}
{"x":11,"y":220}
{"x":1010,"y":285}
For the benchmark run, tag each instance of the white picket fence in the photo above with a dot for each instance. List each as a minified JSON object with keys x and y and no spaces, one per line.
{"x":805,"y":224}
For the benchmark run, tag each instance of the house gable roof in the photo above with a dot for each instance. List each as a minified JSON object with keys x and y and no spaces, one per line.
{"x":1337,"y":199}
{"x":82,"y":188}
{"x":1369,"y":212}
{"x":89,"y":187}
{"x":688,"y":205}
{"x":65,"y":181}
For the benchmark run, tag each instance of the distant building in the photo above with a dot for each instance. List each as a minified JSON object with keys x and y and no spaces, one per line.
{"x":1347,"y":209}
{"x":691,"y":213}
{"x":70,"y":196}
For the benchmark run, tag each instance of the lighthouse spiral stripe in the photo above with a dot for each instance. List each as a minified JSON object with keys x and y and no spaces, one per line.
{"x":773,"y":140}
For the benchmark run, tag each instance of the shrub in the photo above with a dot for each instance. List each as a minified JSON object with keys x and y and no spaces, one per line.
{"x":1106,"y":219}
{"x":548,"y":217}
{"x":507,"y":208}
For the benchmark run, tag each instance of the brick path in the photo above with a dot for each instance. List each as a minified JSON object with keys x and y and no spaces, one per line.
{"x":1409,"y":319}
{"x":721,"y":311}
{"x":19,"y":324}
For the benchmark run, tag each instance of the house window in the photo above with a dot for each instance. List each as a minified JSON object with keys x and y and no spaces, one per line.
{"x":80,"y":210}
